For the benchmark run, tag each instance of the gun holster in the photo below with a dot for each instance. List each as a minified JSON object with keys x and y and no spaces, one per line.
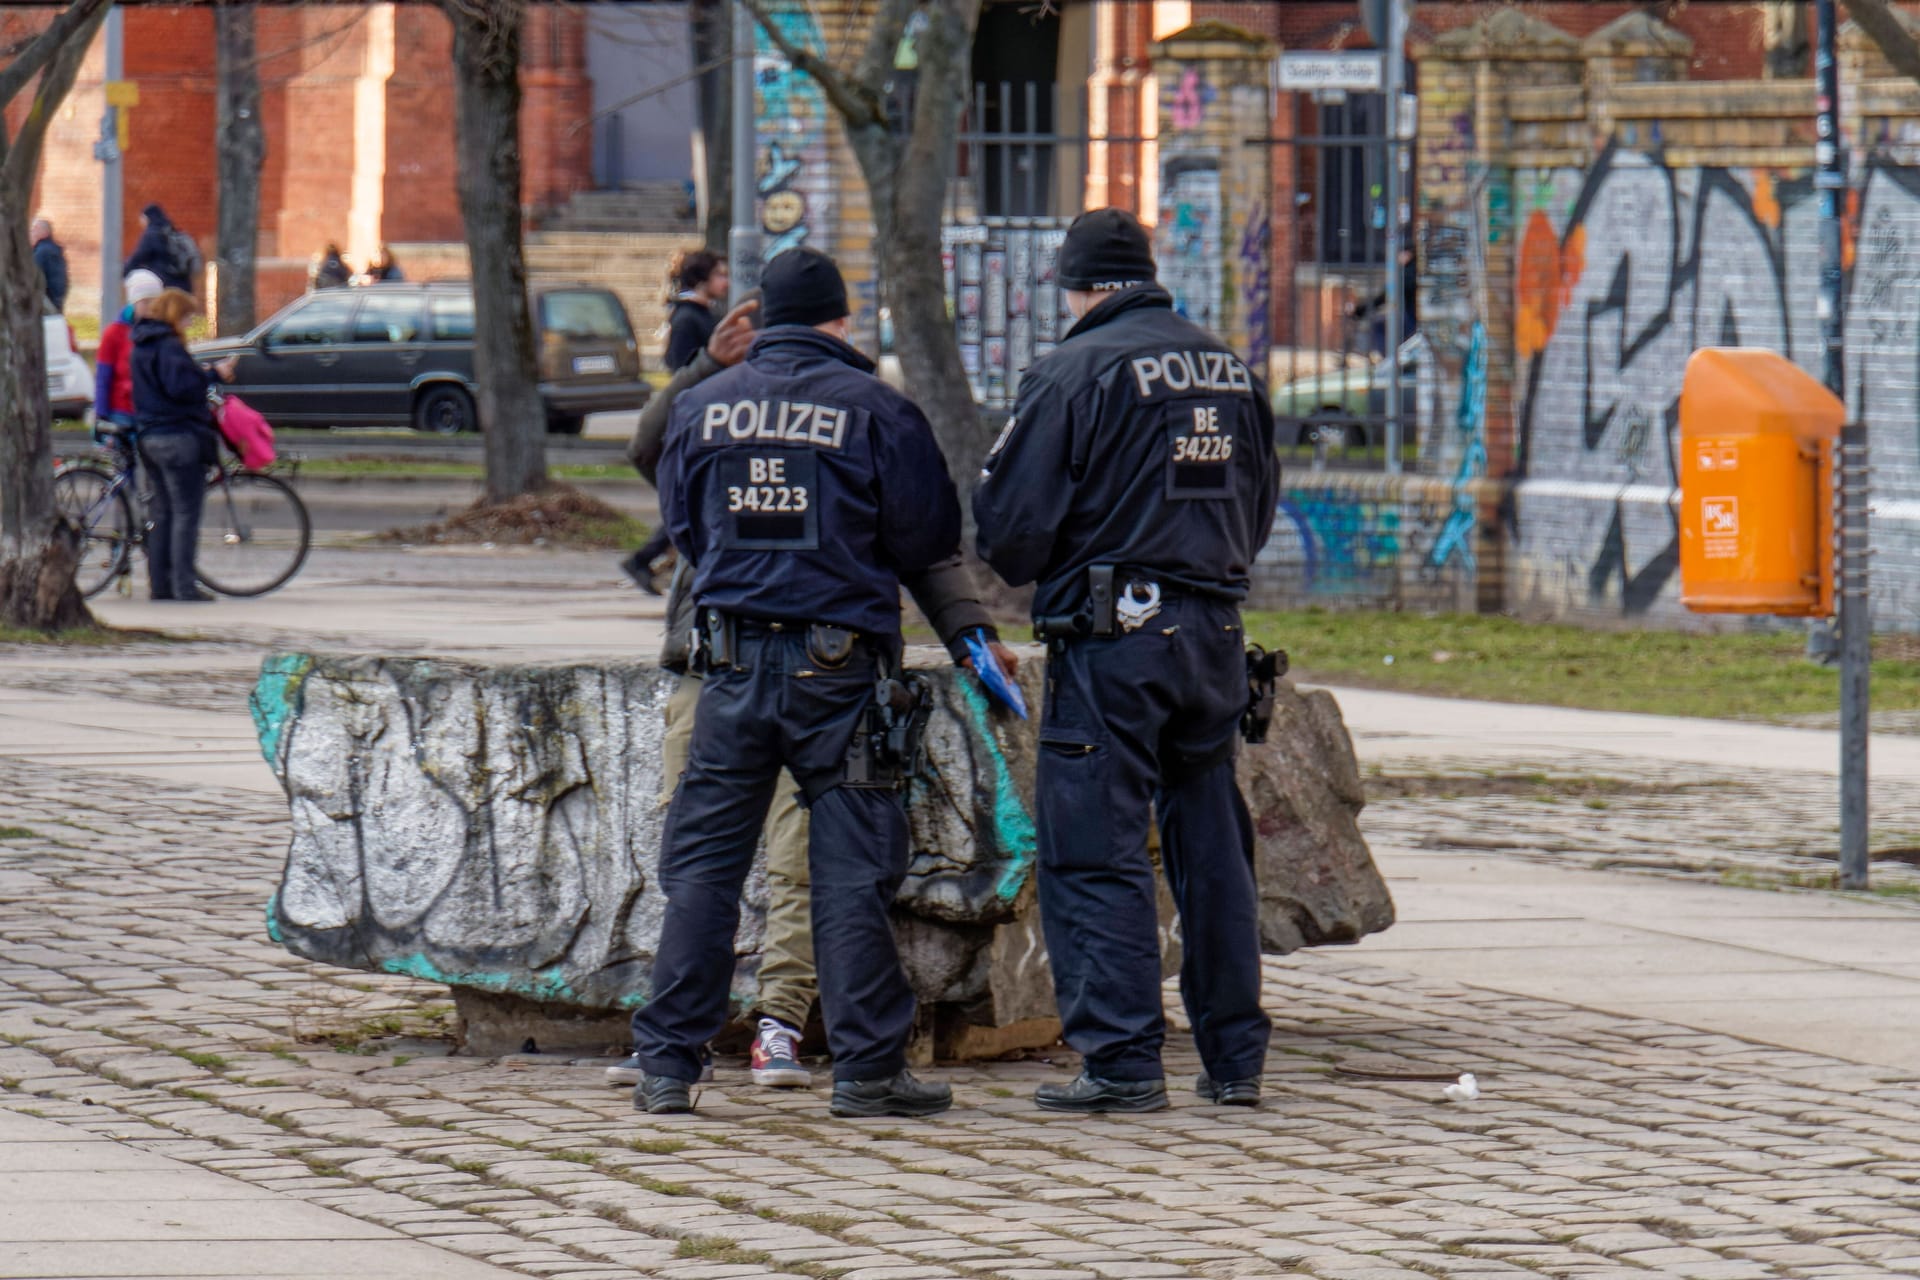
{"x":716,"y":642}
{"x":1263,"y":676}
{"x":1095,"y":618}
{"x":888,"y":750}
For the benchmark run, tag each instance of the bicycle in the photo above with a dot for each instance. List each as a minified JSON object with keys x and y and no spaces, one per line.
{"x":254,"y":534}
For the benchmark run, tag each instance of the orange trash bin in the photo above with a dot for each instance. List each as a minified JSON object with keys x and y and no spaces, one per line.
{"x":1757,"y":441}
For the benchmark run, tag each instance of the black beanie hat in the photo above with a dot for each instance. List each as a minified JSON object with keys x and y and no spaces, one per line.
{"x":802,"y":286}
{"x":1105,"y":247}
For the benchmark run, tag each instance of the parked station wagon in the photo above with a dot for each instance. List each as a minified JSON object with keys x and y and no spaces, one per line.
{"x":402,"y":355}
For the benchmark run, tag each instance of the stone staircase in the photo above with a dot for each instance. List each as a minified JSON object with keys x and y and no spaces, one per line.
{"x":635,"y":207}
{"x":632,"y":264}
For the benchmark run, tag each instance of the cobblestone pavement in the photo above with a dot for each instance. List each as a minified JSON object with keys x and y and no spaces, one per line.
{"x":140,"y":998}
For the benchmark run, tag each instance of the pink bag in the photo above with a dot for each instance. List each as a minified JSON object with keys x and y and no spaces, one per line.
{"x":249,"y":434}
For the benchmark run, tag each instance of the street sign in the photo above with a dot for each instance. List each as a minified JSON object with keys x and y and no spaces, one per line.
{"x":1358,"y":72}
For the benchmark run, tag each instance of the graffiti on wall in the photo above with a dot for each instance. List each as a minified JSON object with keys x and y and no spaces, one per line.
{"x":795,"y":184}
{"x":1256,"y":283}
{"x":1619,"y":277}
{"x":1006,"y":301}
{"x":1190,"y":251}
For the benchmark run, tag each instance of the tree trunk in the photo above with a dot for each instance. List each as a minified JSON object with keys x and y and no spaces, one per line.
{"x":1889,"y":34}
{"x":242,"y":143}
{"x":712,"y":28}
{"x":908,"y":178}
{"x":37,"y":548}
{"x":486,"y":60}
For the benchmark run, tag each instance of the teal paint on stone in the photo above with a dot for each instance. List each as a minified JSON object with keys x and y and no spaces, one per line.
{"x":1013,"y":825}
{"x":276,"y":700}
{"x":273,"y":917}
{"x":544,"y":984}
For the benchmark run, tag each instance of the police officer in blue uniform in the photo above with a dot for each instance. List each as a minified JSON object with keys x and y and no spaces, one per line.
{"x":802,"y":487}
{"x":1134,"y":483}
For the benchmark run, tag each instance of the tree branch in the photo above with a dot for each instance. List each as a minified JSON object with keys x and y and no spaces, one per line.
{"x":48,"y":43}
{"x":857,"y":104}
{"x":23,"y":158}
{"x":883,"y":42}
{"x":1884,"y":27}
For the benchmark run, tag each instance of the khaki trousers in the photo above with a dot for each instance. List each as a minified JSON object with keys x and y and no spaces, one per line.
{"x":787,"y":982}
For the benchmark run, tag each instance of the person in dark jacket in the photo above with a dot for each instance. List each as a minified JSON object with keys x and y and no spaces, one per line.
{"x":802,"y":488}
{"x":177,"y":439}
{"x":945,"y":593}
{"x":155,"y":252}
{"x":328,"y":270}
{"x":1135,"y":483}
{"x":382,"y":270}
{"x":700,"y":283}
{"x":51,"y":257}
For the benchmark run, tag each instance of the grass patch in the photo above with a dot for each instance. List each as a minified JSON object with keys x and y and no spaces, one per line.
{"x":825,"y":1223}
{"x":661,"y":1188}
{"x":994,"y":1090}
{"x":577,"y":1157}
{"x":721,"y":1249}
{"x":659,"y":1146}
{"x":427,"y":469}
{"x":15,"y":833}
{"x":1743,"y":676}
{"x":78,"y":637}
{"x":205,"y":1061}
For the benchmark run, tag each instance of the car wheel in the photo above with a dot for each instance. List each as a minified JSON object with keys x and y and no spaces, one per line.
{"x":446,"y":411}
{"x":566,"y":424}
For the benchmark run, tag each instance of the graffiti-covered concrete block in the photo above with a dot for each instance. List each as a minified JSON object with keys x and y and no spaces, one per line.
{"x":497,"y":828}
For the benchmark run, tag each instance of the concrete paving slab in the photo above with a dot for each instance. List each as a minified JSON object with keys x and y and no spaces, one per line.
{"x":23,"y":1151}
{"x":104,"y":1178}
{"x":189,"y":1218}
{"x":337,"y":1258}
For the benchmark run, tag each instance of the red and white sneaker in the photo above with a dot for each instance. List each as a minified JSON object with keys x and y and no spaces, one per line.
{"x":776,"y":1057}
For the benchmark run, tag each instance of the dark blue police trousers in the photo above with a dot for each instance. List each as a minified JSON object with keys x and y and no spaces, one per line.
{"x":1136,"y":724}
{"x":778,"y":708}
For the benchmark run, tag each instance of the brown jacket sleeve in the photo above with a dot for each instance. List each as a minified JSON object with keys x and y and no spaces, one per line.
{"x":650,"y":434}
{"x":946,"y":593}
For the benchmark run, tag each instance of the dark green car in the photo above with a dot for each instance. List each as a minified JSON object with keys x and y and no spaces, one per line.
{"x":1345,"y":408}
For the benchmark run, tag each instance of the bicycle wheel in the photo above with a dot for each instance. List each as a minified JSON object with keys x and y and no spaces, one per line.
{"x":254,"y":534}
{"x":86,"y":495}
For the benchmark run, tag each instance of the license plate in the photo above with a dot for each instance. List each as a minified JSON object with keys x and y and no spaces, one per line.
{"x":593,"y":364}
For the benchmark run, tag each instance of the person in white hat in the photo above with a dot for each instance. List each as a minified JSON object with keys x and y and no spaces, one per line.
{"x":113,"y":362}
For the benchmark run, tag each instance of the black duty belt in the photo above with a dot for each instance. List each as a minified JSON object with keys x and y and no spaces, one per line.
{"x":717,"y":635}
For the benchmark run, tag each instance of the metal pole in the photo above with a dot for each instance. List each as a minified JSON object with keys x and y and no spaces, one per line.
{"x":107,"y":151}
{"x":743,"y":238}
{"x":1830,"y":178}
{"x":1396,"y":75}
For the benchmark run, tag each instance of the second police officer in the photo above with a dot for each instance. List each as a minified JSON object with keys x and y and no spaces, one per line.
{"x":1135,"y":483}
{"x":802,"y":487}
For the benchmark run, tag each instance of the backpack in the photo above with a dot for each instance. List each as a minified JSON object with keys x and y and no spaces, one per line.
{"x":246,"y":432}
{"x":185,"y":254}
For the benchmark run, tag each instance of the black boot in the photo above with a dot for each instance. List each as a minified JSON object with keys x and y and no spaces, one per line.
{"x":663,"y":1096}
{"x":1229,"y":1093}
{"x":1089,"y":1093}
{"x":900,"y":1096}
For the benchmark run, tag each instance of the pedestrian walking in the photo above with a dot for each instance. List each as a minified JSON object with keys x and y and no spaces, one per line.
{"x":113,"y":360}
{"x":945,"y":593}
{"x":51,"y":257}
{"x":165,"y":250}
{"x":177,"y":440}
{"x":697,"y":282}
{"x":800,"y":486}
{"x":328,"y":270}
{"x":382,"y":270}
{"x":1134,"y":483}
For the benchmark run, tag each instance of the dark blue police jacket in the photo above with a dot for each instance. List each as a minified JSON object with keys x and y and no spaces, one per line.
{"x":1140,"y":441}
{"x":803,"y":487}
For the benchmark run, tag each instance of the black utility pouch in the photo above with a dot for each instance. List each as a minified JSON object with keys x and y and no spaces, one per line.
{"x":830,"y":647}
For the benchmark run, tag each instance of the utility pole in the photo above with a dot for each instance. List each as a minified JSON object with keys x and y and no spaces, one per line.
{"x":744,"y":240}
{"x":107,"y":152}
{"x":1830,"y":180}
{"x":1396,"y":79}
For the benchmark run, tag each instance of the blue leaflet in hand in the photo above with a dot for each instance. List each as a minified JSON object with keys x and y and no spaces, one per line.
{"x":993,"y":675}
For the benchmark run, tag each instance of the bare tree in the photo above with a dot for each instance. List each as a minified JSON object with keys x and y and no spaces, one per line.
{"x":37,"y":548}
{"x":1890,"y":33}
{"x":712,"y":31}
{"x":907,"y":170}
{"x":486,"y":68}
{"x":241,"y":150}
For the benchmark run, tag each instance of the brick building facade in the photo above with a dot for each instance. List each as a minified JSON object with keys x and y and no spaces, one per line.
{"x":357,"y":106}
